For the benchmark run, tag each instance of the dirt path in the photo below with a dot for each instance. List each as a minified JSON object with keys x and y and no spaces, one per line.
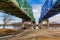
{"x":48,"y":34}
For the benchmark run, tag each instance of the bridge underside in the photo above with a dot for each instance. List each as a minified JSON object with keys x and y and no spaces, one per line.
{"x":53,"y":11}
{"x":10,"y":8}
{"x":14,"y":9}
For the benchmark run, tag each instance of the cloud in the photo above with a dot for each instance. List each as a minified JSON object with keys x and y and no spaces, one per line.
{"x":1,"y":22}
{"x":55,"y":18}
{"x":36,"y":5}
{"x":13,"y":17}
{"x":36,"y":11}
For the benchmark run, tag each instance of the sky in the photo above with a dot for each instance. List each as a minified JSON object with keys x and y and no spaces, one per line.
{"x":16,"y":19}
{"x":36,"y":8}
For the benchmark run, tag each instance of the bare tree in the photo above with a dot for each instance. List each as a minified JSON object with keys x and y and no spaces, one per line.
{"x":6,"y":18}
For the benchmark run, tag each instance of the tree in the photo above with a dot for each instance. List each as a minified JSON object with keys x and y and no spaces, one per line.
{"x":6,"y":18}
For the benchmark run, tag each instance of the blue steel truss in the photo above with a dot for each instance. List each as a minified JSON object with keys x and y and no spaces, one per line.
{"x":47,"y":9}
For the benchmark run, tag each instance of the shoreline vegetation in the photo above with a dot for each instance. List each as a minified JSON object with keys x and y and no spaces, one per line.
{"x":7,"y":32}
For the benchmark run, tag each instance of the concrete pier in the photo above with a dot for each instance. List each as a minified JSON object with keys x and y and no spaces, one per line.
{"x":41,"y":25}
{"x":47,"y":23}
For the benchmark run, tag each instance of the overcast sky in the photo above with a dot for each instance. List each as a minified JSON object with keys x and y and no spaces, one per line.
{"x":36,"y":8}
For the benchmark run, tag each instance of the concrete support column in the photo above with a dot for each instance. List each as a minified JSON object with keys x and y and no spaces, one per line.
{"x":47,"y":23}
{"x":41,"y":24}
{"x":23,"y":23}
{"x":32,"y":25}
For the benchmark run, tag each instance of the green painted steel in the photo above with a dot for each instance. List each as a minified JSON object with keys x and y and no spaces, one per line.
{"x":24,"y":6}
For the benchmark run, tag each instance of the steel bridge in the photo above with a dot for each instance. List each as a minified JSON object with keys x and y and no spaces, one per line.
{"x":18,"y":8}
{"x":49,"y":9}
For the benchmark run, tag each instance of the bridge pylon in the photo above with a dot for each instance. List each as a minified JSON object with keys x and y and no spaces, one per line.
{"x":30,"y":22}
{"x":42,"y":25}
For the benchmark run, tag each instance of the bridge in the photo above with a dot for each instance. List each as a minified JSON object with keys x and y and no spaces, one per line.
{"x":50,"y":8}
{"x":18,"y":8}
{"x":22,"y":9}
